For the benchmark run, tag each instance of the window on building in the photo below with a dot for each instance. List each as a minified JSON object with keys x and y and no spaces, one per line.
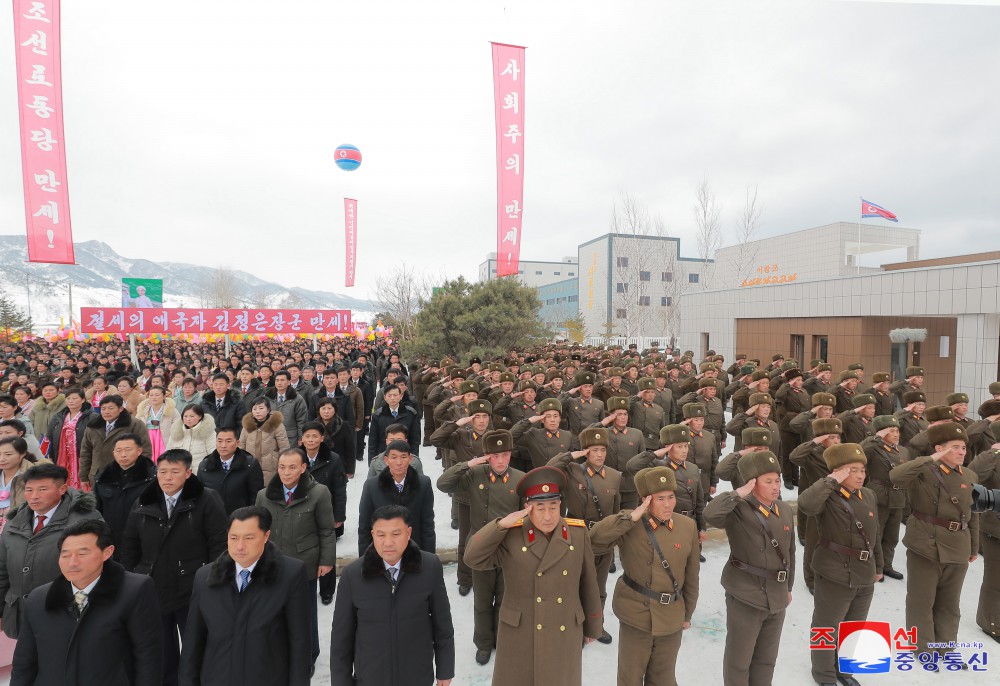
{"x":556,"y":273}
{"x":667,"y":276}
{"x":621,"y":287}
{"x":644,"y":276}
{"x":666,"y":301}
{"x":644,"y":300}
{"x":692,"y":278}
{"x":797,"y":347}
{"x":621,"y":261}
{"x":493,"y":271}
{"x":521,"y":272}
{"x":571,"y":273}
{"x":574,"y":299}
{"x":550,"y":301}
{"x":538,"y":273}
{"x":560,"y":300}
{"x":620,"y":314}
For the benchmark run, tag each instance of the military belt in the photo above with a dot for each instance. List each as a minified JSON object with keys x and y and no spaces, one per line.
{"x":663,"y":598}
{"x":862,"y":555}
{"x":944,"y":523}
{"x":779,"y":575}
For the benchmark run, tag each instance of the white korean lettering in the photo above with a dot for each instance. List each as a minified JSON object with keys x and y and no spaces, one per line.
{"x":47,"y":181}
{"x":513,"y":209}
{"x":180,"y":321}
{"x":37,"y":76}
{"x":511,"y":69}
{"x":242,"y":321}
{"x":222,"y":321}
{"x":295,"y":324}
{"x":514,"y":163}
{"x":513,"y":133}
{"x":512,"y":101}
{"x":41,"y":106}
{"x":50,"y":210}
{"x":137,"y":321}
{"x":97,"y":320}
{"x":43,"y":138}
{"x":37,"y":13}
{"x":37,"y":42}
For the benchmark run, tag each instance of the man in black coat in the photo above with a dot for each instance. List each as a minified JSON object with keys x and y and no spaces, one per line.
{"x":399,"y":484}
{"x":231,"y":472}
{"x":105,"y":637}
{"x":224,"y":404}
{"x":393,"y":412}
{"x":121,"y":483}
{"x":177,"y":527}
{"x":392,"y":622}
{"x":249,"y":617}
{"x":326,"y":467}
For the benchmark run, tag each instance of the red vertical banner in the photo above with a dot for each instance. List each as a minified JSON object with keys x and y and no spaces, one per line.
{"x":351,"y":230}
{"x":43,"y":155}
{"x":508,"y":91}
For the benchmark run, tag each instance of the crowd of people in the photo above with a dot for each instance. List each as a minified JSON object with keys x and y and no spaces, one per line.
{"x":210,"y":490}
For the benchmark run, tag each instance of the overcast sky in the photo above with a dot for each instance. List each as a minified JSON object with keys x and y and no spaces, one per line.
{"x":204,"y":131}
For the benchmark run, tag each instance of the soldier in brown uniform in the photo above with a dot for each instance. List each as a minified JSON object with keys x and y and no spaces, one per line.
{"x":822,"y":408}
{"x":885,"y":401}
{"x":593,"y":492}
{"x":809,"y":458}
{"x":847,"y":388}
{"x":676,"y":441}
{"x":848,"y":560}
{"x":858,"y":421}
{"x":612,"y":385}
{"x":551,"y":605}
{"x":495,"y":393}
{"x":664,"y":397}
{"x":624,"y":443}
{"x":914,"y":382}
{"x":789,"y":401}
{"x":535,"y":445}
{"x":920,"y":445}
{"x":489,"y":483}
{"x":911,"y":417}
{"x":656,"y":596}
{"x":754,"y":441}
{"x":760,"y":572}
{"x":986,"y":465}
{"x":942,"y":534}
{"x":757,"y":416}
{"x":884,"y":454}
{"x":980,"y":432}
{"x":581,"y":408}
{"x":645,"y":415}
{"x":519,"y":405}
{"x":820,"y":382}
{"x":741,"y":398}
{"x":704,"y":450}
{"x":715,"y":417}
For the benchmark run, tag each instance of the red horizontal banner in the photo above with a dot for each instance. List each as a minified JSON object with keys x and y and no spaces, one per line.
{"x":148,"y":320}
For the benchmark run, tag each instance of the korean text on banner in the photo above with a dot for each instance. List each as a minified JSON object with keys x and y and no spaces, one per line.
{"x":43,"y":154}
{"x":198,"y":321}
{"x":508,"y":91}
{"x":351,"y":227}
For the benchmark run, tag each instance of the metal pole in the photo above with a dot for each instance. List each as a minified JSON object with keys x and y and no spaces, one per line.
{"x":227,"y":345}
{"x":71,"y":303}
{"x":315,"y":343}
{"x":132,"y":354}
{"x":857,"y":259}
{"x":27,"y":286}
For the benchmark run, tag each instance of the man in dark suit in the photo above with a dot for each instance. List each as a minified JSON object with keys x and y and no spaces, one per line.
{"x":399,"y":484}
{"x":392,"y":621}
{"x":91,"y":625}
{"x":248,"y":621}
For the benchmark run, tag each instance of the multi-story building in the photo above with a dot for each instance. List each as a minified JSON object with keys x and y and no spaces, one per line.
{"x":532,"y":273}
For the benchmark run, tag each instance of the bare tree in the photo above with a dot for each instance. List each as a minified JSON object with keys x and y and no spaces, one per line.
{"x":706,"y":214}
{"x":222,"y":289}
{"x":293,"y":301}
{"x":398,"y":295}
{"x":747,"y":225}
{"x":262,"y":298}
{"x":632,"y":294}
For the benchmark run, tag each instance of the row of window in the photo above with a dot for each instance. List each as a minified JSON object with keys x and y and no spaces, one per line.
{"x":644,"y":301}
{"x":538,"y":273}
{"x":567,"y":299}
{"x":622,"y":287}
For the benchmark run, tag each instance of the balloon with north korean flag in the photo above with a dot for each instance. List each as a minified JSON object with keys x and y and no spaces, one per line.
{"x":347,"y":157}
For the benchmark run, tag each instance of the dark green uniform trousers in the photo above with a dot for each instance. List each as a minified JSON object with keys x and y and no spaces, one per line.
{"x":988,"y":617}
{"x":933,"y":591}
{"x":888,"y":528}
{"x":464,"y":527}
{"x":645,"y":659}
{"x":752,"y":639}
{"x":487,"y":594}
{"x":832,"y":605}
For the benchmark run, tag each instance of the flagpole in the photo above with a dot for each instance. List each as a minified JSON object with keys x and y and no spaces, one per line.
{"x":857,"y":259}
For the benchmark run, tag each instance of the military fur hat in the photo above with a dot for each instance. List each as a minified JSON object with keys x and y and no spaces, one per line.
{"x":828,"y":399}
{"x":499,"y":441}
{"x":939,"y":413}
{"x":707,"y":367}
{"x":792,"y":373}
{"x":880,"y":377}
{"x":756,"y":436}
{"x":824,"y":367}
{"x":468,"y":387}
{"x":940,"y":434}
{"x":549,"y":404}
{"x":863,"y":399}
{"x":823,"y":427}
{"x":617,"y":402}
{"x":989,"y":408}
{"x":911,"y":397}
{"x":456,"y":372}
{"x":496,"y":367}
{"x":776,"y":357}
{"x":760,"y":399}
{"x":753,"y":465}
{"x":552,"y":374}
{"x":526,"y":384}
{"x":914,"y":371}
{"x":814,"y":363}
{"x":507,"y":377}
{"x":995,"y":388}
{"x":693,"y":410}
{"x":477,"y":406}
{"x":741,"y":356}
{"x":660,"y":374}
{"x":613,"y":371}
{"x":674,"y":433}
{"x":758,"y":375}
{"x":593,"y":436}
{"x":884,"y":421}
{"x":956,"y":398}
{"x":652,"y":480}
{"x":846,"y":375}
{"x":837,"y":456}
{"x":707,"y":382}
{"x":647,"y":383}
{"x":747,"y":369}
{"x":855,"y":366}
{"x":788,"y":365}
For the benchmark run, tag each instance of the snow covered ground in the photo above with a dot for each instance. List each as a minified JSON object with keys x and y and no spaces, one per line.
{"x":700,"y":660}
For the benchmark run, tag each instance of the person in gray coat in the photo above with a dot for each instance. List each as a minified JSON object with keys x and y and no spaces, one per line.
{"x":29,"y":544}
{"x":290,"y":404}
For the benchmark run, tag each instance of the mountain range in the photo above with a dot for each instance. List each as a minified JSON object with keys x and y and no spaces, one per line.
{"x":96,"y":281}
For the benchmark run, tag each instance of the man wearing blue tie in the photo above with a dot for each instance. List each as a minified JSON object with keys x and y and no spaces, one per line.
{"x":393,"y":411}
{"x":249,"y":617}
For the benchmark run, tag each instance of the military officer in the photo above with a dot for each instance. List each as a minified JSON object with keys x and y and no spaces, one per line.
{"x":715,"y":418}
{"x":884,"y":453}
{"x":704,"y":450}
{"x":885,"y":401}
{"x":942,"y":534}
{"x":645,"y":415}
{"x":754,"y":441}
{"x":822,"y":408}
{"x":914,"y":381}
{"x":581,"y":407}
{"x":848,"y":560}
{"x":857,"y":422}
{"x":741,"y":398}
{"x":664,"y":397}
{"x":593,"y":492}
{"x":496,"y":392}
{"x":490,"y":485}
{"x":656,"y":595}
{"x":520,"y":404}
{"x":847,"y":388}
{"x":759,"y":575}
{"x":820,"y":381}
{"x":789,"y":401}
{"x":612,"y":385}
{"x":757,"y":416}
{"x":911,"y":417}
{"x":981,"y":434}
{"x":986,"y":465}
{"x":551,"y":605}
{"x":624,"y":443}
{"x":536,"y":445}
{"x":935,"y":415}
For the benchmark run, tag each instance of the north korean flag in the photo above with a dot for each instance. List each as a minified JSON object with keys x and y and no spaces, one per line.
{"x":870,"y":209}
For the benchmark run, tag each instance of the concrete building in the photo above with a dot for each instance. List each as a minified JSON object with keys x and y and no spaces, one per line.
{"x":938,"y":314}
{"x":559,"y":303}
{"x":532,"y":273}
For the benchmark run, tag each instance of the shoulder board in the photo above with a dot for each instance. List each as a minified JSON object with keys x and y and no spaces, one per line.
{"x":516,"y":524}
{"x":577,"y":522}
